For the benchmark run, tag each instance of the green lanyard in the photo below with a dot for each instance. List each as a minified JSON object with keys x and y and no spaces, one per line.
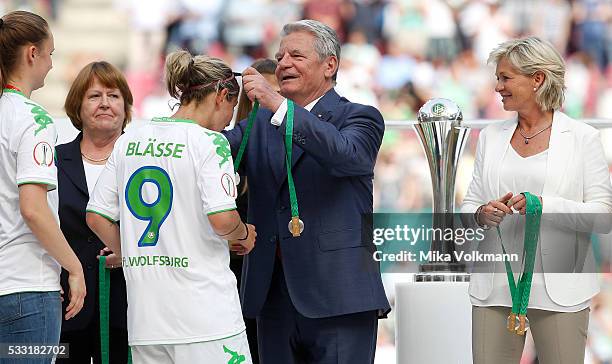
{"x":104,"y":296}
{"x":517,"y":320}
{"x":245,"y":138}
{"x":104,"y":292}
{"x":296,"y":226}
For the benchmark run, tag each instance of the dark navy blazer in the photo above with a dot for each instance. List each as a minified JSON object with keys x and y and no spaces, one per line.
{"x":73,"y":198}
{"x":328,"y":269}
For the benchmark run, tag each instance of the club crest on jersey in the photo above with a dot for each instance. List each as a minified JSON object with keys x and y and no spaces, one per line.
{"x":41,"y":117}
{"x":43,"y":154}
{"x":229,"y":186}
{"x":223,"y":148}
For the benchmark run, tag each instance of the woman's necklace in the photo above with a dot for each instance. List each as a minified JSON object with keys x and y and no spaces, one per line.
{"x":95,"y":160}
{"x":527,"y":138}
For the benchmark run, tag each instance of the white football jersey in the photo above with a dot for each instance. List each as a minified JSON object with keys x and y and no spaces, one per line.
{"x":161,"y":181}
{"x":27,"y":150}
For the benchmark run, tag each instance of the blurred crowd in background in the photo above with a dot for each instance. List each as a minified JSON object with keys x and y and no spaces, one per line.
{"x":396,"y":54}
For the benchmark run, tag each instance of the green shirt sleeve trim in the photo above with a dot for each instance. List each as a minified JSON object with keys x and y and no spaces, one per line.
{"x":217,"y":212}
{"x":37,"y":183}
{"x":103,"y":215}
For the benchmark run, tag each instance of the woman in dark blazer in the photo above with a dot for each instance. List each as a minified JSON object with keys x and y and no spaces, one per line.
{"x":99,"y":105}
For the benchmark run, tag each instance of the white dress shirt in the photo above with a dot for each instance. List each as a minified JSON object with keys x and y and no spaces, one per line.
{"x":279,"y":115}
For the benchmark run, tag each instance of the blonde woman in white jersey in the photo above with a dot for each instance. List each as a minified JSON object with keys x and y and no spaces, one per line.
{"x":171,"y":184}
{"x":32,"y":247}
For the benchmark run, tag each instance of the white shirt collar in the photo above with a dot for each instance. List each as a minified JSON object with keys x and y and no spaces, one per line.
{"x":312,"y":104}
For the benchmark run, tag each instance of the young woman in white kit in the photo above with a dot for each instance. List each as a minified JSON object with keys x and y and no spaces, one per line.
{"x":171,"y":184}
{"x":32,"y":247}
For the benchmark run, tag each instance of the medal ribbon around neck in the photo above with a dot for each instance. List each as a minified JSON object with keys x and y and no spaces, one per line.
{"x":517,"y":320}
{"x":245,"y":138}
{"x":296,"y":226}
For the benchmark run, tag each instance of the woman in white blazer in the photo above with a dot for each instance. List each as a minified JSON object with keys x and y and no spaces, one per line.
{"x":560,"y":160}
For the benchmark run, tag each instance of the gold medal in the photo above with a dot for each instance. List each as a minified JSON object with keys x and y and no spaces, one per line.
{"x":523,"y":325}
{"x":511,"y":323}
{"x":517,"y":324}
{"x":296,"y":226}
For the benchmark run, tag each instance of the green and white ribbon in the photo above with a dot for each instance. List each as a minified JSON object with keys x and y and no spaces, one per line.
{"x":517,"y":321}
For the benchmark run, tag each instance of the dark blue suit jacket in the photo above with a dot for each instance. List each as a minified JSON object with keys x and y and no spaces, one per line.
{"x":73,"y":198}
{"x":328,"y":269}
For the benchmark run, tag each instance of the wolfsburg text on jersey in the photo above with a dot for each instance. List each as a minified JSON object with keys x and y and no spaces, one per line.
{"x":155,"y":260}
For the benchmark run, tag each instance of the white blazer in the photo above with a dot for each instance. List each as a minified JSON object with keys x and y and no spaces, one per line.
{"x":577,"y":200}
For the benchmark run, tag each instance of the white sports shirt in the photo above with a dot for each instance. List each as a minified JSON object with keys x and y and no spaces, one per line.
{"x":27,"y":146}
{"x":161,"y":181}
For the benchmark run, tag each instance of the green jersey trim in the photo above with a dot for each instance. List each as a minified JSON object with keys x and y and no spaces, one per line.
{"x":227,"y":337}
{"x":183,"y":341}
{"x":101,"y":214}
{"x":171,"y":120}
{"x":11,"y":91}
{"x":37,"y":183}
{"x":220,"y":211}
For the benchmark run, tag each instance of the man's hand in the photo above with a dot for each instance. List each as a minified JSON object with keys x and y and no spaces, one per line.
{"x":258,"y":88}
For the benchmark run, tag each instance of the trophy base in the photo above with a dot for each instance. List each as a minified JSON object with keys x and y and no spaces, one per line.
{"x":442,"y":268}
{"x":441,"y":277}
{"x":442,"y":272}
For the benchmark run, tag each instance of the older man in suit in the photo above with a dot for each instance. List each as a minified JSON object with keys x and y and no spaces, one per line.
{"x":316,"y":297}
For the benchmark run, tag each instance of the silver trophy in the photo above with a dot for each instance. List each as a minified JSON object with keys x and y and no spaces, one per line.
{"x":442,"y":134}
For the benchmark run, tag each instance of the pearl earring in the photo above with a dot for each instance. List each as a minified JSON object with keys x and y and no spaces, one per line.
{"x":534,"y":89}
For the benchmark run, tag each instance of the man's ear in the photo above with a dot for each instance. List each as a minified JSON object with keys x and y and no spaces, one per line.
{"x":331,"y":66}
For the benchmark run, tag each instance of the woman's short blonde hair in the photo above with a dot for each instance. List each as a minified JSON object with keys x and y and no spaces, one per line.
{"x":109,"y":76}
{"x":530,"y":55}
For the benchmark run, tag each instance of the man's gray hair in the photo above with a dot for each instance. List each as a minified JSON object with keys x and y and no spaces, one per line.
{"x":326,"y":40}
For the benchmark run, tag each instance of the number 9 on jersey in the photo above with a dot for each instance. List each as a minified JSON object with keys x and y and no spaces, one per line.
{"x":155,"y":212}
